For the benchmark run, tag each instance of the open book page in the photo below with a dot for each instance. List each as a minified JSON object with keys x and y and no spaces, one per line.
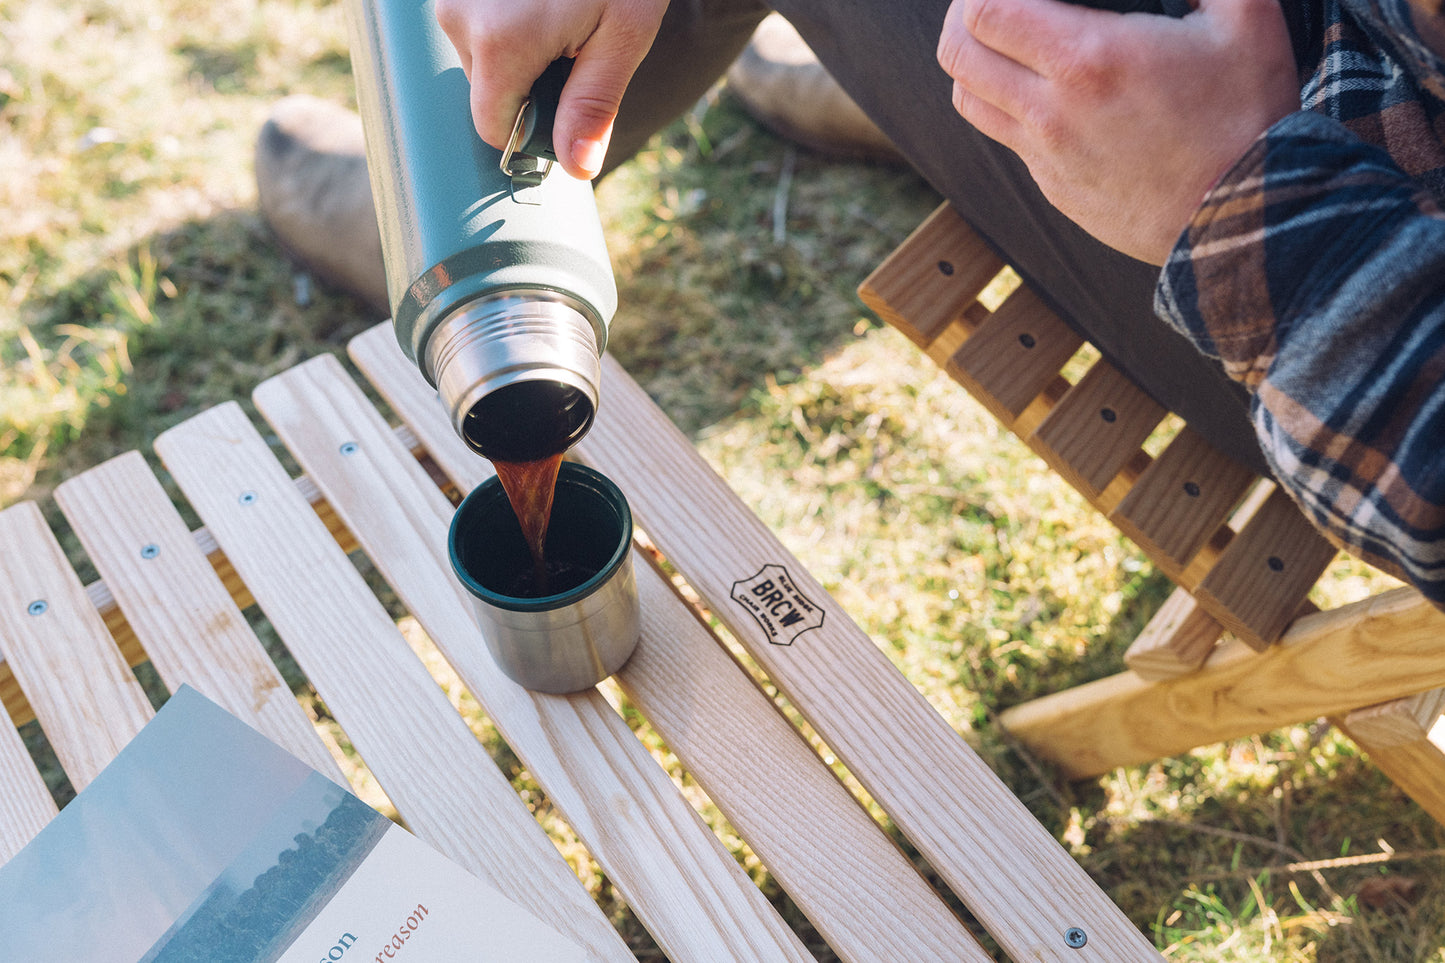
{"x":204,"y":841}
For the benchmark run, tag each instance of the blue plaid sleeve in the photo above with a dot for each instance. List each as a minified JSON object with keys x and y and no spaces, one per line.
{"x":1315,"y":271}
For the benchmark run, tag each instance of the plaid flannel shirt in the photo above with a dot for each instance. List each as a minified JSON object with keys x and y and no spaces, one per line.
{"x":1315,"y":270}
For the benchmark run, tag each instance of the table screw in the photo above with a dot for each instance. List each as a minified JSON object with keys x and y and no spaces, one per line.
{"x":349,"y":448}
{"x":150,"y":551}
{"x":38,"y":607}
{"x":1075,"y":937}
{"x":247,"y":498}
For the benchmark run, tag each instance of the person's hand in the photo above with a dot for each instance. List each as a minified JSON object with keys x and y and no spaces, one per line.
{"x":1124,"y":120}
{"x":504,"y":45}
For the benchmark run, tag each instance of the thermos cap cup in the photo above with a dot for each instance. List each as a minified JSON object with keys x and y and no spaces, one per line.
{"x":584,"y":631}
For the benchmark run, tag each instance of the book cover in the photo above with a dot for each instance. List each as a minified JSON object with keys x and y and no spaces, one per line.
{"x":204,"y":842}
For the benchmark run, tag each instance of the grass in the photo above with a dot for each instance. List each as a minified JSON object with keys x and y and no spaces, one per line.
{"x":138,"y":287}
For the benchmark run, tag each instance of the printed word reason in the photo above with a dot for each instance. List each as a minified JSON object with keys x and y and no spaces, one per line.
{"x":404,"y":932}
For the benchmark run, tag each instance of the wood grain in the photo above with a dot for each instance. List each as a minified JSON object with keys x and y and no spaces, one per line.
{"x":1182,"y":499}
{"x":931,"y":277}
{"x":1097,"y":428}
{"x":1176,"y":641}
{"x":182,"y":613}
{"x":1014,"y":355}
{"x":1327,"y":664}
{"x":84,"y":694}
{"x":1405,"y":739}
{"x":1261,"y":580}
{"x":25,"y":803}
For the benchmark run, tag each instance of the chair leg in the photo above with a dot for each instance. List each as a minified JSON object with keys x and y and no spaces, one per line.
{"x":1405,"y":738}
{"x":1176,"y":641}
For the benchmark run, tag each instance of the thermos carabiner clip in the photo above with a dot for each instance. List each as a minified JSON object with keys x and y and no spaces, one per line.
{"x":530,"y":168}
{"x":529,"y":155}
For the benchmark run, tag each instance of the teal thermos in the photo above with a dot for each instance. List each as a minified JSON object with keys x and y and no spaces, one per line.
{"x":500,"y":285}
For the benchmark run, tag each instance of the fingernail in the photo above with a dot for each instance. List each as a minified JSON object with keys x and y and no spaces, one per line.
{"x":588,"y":154}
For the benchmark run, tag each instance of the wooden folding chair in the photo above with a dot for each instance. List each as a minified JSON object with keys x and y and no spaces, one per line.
{"x":1237,"y":649}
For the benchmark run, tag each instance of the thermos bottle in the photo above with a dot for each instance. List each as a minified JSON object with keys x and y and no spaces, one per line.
{"x":500,"y":285}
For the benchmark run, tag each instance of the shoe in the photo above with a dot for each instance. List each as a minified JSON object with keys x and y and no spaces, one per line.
{"x":315,"y":194}
{"x":783,"y":86}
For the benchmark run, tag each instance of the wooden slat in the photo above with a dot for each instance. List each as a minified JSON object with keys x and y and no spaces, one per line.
{"x":63,"y":649}
{"x":1181,"y":500}
{"x":25,"y":803}
{"x":931,"y":277}
{"x":422,"y":753}
{"x":1014,"y":355}
{"x":190,"y":627}
{"x":834,"y":862}
{"x":1098,"y":428}
{"x":1261,"y":580}
{"x":675,"y":874}
{"x":1405,"y":739}
{"x":1176,"y":641}
{"x":1326,"y":664}
{"x":1013,"y":875}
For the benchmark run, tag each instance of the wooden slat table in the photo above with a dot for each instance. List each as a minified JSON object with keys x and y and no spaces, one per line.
{"x":175,"y":597}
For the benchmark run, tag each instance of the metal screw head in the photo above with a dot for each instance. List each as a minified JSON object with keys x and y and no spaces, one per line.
{"x":349,"y":448}
{"x":1075,"y":937}
{"x":247,"y":498}
{"x":150,"y":551}
{"x":38,"y":607}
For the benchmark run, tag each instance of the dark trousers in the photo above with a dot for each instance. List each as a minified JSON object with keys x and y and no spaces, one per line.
{"x":883,"y":54}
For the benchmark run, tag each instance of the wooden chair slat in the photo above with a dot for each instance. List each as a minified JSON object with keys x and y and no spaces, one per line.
{"x":1176,"y":641}
{"x":931,"y":277}
{"x":177,"y":605}
{"x":1014,"y":355}
{"x":1097,"y":428}
{"x":25,"y":805}
{"x":1014,"y":877}
{"x":836,"y":863}
{"x":686,"y":888}
{"x":62,"y":646}
{"x":423,"y":754}
{"x":1181,"y":500}
{"x":1260,"y":581}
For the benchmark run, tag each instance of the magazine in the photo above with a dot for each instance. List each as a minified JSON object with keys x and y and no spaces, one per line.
{"x":205,"y":842}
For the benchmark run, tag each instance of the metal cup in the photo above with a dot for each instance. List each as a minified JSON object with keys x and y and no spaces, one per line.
{"x":583,"y":631}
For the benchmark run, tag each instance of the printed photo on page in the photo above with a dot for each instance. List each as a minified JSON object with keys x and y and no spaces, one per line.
{"x":204,"y":841}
